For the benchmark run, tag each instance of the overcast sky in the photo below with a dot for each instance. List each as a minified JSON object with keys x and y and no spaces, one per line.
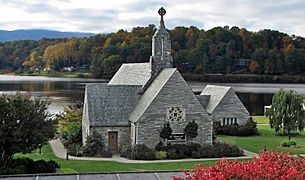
{"x":104,"y":16}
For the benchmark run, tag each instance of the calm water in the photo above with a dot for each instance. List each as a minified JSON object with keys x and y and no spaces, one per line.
{"x":64,"y":91}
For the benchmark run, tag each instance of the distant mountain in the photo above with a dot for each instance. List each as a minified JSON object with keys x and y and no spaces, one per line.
{"x":36,"y":34}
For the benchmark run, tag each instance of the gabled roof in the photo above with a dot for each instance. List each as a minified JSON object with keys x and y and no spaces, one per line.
{"x":204,"y":100}
{"x":132,"y":74}
{"x":217,"y":93}
{"x":111,"y":105}
{"x":151,"y":93}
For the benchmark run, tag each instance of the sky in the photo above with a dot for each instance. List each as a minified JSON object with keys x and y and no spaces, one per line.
{"x":104,"y":16}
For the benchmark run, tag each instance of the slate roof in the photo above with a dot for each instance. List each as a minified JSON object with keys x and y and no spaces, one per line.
{"x":217,"y":93}
{"x":132,"y":74}
{"x":111,"y":105}
{"x":151,"y":93}
{"x":204,"y":100}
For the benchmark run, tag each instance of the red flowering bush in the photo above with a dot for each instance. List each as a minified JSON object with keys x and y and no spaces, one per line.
{"x":269,"y":165}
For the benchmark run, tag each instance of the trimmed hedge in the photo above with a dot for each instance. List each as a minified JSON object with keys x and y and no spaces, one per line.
{"x":142,"y":152}
{"x":217,"y":150}
{"x":180,"y":151}
{"x":139,"y":152}
{"x":248,"y":129}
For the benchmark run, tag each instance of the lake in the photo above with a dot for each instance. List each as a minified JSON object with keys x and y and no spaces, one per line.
{"x":64,"y":91}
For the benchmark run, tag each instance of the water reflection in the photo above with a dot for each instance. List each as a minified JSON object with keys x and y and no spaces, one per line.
{"x":60,"y":91}
{"x":64,"y":91}
{"x":255,"y":102}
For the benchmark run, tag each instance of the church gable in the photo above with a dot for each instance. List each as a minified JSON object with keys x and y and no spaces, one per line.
{"x":231,"y":108}
{"x":216,"y":94}
{"x":174,"y":97}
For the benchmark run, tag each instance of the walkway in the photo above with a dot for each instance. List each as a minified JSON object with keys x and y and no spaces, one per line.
{"x":100,"y":176}
{"x":61,"y":152}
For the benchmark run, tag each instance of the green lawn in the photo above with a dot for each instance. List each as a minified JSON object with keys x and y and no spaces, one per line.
{"x":74,"y":166}
{"x":261,"y":119}
{"x":268,"y":139}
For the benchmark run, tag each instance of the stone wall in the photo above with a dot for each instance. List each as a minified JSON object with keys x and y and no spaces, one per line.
{"x":123,"y":134}
{"x":231,"y":107}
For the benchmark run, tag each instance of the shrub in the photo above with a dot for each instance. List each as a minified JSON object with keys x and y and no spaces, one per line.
{"x":288,"y":143}
{"x":106,"y":154}
{"x":28,"y":166}
{"x":75,"y":149}
{"x":217,"y":150}
{"x":94,"y":145}
{"x":292,"y":143}
{"x":161,"y":155}
{"x":126,"y":151}
{"x":248,"y":129}
{"x":142,"y":152}
{"x":178,"y":151}
{"x":285,"y":144}
{"x":160,"y":147}
{"x":191,"y":148}
{"x":42,"y":166}
{"x":269,"y":165}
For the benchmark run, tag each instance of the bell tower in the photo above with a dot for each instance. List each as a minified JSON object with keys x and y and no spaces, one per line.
{"x":161,"y":48}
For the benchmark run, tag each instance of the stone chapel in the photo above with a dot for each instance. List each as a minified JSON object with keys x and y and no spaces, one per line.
{"x":141,"y":97}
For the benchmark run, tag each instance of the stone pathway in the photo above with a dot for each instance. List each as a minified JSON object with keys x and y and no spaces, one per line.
{"x":61,"y":152}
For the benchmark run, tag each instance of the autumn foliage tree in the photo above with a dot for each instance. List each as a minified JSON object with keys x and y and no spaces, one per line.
{"x":196,"y":51}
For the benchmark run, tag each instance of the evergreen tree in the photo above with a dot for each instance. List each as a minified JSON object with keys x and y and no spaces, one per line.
{"x":191,"y":129}
{"x":166,"y":131}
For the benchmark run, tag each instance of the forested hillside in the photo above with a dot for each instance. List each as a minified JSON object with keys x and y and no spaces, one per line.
{"x":221,"y":50}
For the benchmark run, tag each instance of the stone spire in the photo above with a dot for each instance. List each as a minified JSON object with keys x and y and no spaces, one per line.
{"x":161,"y":48}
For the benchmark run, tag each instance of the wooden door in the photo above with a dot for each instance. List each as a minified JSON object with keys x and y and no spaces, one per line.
{"x":112,"y":141}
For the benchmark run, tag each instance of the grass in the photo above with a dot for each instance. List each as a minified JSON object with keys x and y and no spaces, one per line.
{"x":268,"y":139}
{"x":74,"y":166}
{"x":261,"y":119}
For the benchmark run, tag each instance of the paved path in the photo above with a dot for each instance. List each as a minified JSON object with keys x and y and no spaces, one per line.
{"x":61,"y":152}
{"x":101,"y":176}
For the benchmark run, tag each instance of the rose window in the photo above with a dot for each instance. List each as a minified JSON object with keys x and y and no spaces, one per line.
{"x":176,"y":114}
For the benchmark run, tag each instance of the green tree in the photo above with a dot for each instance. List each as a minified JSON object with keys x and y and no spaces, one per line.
{"x":286,"y":113}
{"x":191,"y":129}
{"x":72,"y":114}
{"x":73,"y":134}
{"x":94,"y":145}
{"x":111,"y":64}
{"x":25,"y":125}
